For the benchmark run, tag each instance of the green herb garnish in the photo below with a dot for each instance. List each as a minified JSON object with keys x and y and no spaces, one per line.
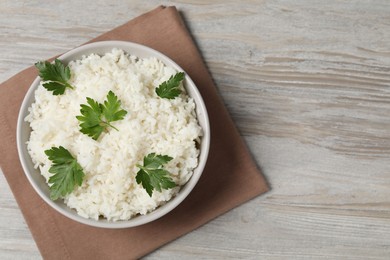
{"x":152,"y":175}
{"x":66,"y":172}
{"x":56,"y":76}
{"x":96,"y":117}
{"x":171,"y":88}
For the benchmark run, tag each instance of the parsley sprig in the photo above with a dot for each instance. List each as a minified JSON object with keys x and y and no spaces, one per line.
{"x":152,"y":176}
{"x":56,"y":76}
{"x":96,"y":117}
{"x":171,"y":88}
{"x":67,"y":173}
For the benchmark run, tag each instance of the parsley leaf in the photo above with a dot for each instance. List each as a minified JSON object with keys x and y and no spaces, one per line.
{"x":111,"y":108}
{"x":56,"y":76}
{"x":66,"y":172}
{"x":171,"y":88}
{"x":96,"y":117}
{"x":152,"y":175}
{"x":91,"y":119}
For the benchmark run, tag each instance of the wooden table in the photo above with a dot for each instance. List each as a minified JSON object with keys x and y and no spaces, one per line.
{"x":308,"y":85}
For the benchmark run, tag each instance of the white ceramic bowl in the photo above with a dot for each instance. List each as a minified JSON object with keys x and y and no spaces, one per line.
{"x":38,"y":181}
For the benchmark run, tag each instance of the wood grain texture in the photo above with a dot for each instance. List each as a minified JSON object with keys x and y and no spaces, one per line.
{"x":308,"y":85}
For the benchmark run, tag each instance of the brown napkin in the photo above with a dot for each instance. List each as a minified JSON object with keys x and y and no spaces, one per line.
{"x":230,"y":177}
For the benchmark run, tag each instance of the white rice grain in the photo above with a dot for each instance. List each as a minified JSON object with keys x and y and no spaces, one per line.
{"x":152,"y":124}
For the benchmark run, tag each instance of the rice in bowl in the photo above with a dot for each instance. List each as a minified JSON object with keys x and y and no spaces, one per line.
{"x":152,"y":125}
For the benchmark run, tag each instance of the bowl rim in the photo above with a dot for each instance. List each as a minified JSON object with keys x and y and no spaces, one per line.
{"x":159,"y":211}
